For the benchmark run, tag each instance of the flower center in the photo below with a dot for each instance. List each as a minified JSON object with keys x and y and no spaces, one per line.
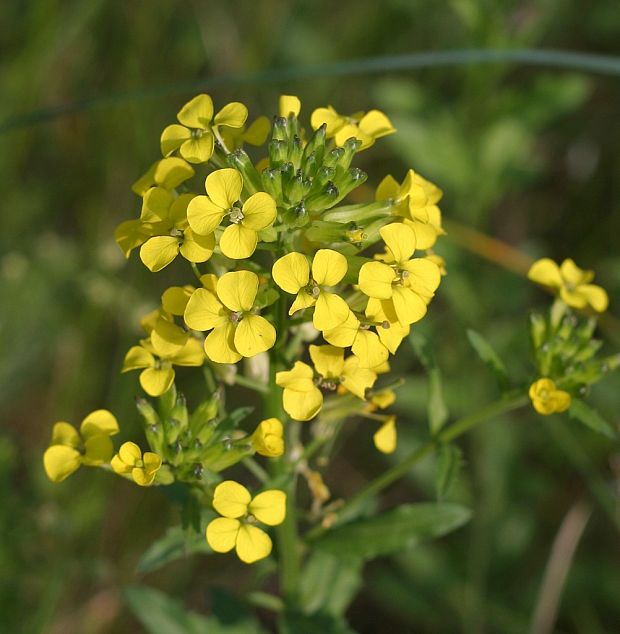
{"x":236,"y":214}
{"x":236,"y":317}
{"x":196,"y":133}
{"x":313,"y":289}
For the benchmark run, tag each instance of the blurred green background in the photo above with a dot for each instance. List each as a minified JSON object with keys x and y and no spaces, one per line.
{"x":528,"y":154}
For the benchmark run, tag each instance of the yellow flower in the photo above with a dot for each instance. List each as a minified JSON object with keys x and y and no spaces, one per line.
{"x":240,"y":511}
{"x":390,"y":331}
{"x":168,"y":345}
{"x":174,"y":299}
{"x":165,"y":219}
{"x":366,"y":127}
{"x":572,"y":283}
{"x":168,"y":173}
{"x":236,"y":331}
{"x":292,"y":274}
{"x":302,"y":399}
{"x":205,"y":213}
{"x":364,"y":343}
{"x":130,"y":461}
{"x":416,"y":201}
{"x":381,"y":400}
{"x":409,"y":283}
{"x":194,"y":138}
{"x":268,"y":438}
{"x":385,"y":437}
{"x":90,"y":446}
{"x":547,"y":399}
{"x":289,"y":104}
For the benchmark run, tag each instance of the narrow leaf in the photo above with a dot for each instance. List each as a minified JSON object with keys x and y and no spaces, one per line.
{"x":449,"y":462}
{"x":489,"y":357}
{"x":437,"y":410}
{"x":581,"y":411}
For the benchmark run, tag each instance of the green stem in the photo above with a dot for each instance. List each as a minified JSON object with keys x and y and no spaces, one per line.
{"x":252,"y":384}
{"x":253,"y":467}
{"x":512,"y":400}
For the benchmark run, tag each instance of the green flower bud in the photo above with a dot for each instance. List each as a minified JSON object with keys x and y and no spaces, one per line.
{"x":240,"y":160}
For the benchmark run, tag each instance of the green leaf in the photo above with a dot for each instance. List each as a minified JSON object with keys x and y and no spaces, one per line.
{"x":159,"y":613}
{"x":328,"y":584}
{"x":296,"y":622}
{"x":489,"y":357}
{"x":232,"y":614}
{"x":437,"y":410}
{"x":266,"y":297}
{"x":175,"y":544}
{"x":231,"y":421}
{"x":449,"y":462}
{"x":393,"y":531}
{"x":582,"y":412}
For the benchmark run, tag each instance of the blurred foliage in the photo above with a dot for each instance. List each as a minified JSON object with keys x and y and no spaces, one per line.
{"x":529,"y":155}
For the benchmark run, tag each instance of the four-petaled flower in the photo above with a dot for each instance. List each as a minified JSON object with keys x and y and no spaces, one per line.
{"x":90,"y":446}
{"x":130,"y":461}
{"x":572,"y":283}
{"x":194,"y":138}
{"x":240,"y":511}
{"x":236,"y":331}
{"x":268,"y":438}
{"x":409,"y":283}
{"x":547,"y":398}
{"x":205,"y":213}
{"x":366,"y":127}
{"x":292,"y":274}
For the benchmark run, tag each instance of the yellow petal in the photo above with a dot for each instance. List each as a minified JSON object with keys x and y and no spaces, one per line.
{"x":60,"y":462}
{"x":375,"y":280}
{"x":327,"y":116}
{"x":209,"y":281}
{"x":174,"y":299}
{"x":156,"y":381}
{"x":385,"y":437}
{"x":343,"y":335}
{"x":141,"y":477}
{"x":197,"y":113}
{"x":269,"y":507}
{"x":302,"y":405}
{"x":131,"y":234}
{"x":130,"y":453}
{"x":220,"y":346}
{"x":303,"y":300}
{"x":222,"y":534}
{"x":224,"y":187}
{"x":328,"y":361}
{"x":596,"y":296}
{"x":356,"y":379}
{"x":204,"y":311}
{"x":299,"y":378}
{"x":573,"y":275}
{"x":252,"y":544}
{"x":172,"y":138}
{"x":328,"y":267}
{"x":231,"y":499}
{"x":137,"y":358}
{"x":238,"y":242}
{"x":424,"y":277}
{"x":191,"y":354}
{"x":118,"y":466}
{"x":289,"y":104}
{"x":171,"y":172}
{"x":167,"y":338}
{"x":573,"y":298}
{"x":409,"y":306}
{"x":267,"y":439}
{"x":198,"y":150}
{"x":352,"y":131}
{"x":392,"y":336}
{"x":152,"y":461}
{"x":400,"y":241}
{"x":197,"y":248}
{"x":98,"y":450}
{"x":257,"y":132}
{"x":330,"y":311}
{"x":375,"y":124}
{"x":369,"y":349}
{"x":254,"y":334}
{"x":233,"y":115}
{"x":203,"y":215}
{"x":545,"y":272}
{"x":425,"y":233}
{"x":291,"y":272}
{"x":387,"y":188}
{"x":158,"y":252}
{"x":259,"y":211}
{"x":237,"y":290}
{"x":101,"y":421}
{"x":155,"y":205}
{"x":65,"y":434}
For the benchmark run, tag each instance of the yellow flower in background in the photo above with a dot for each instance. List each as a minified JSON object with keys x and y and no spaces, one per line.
{"x":301,"y":398}
{"x":174,"y":347}
{"x":416,"y":200}
{"x":236,"y":331}
{"x":268,"y":438}
{"x":385,"y":437}
{"x":547,"y":399}
{"x":292,"y":274}
{"x":289,"y":104}
{"x":194,"y":137}
{"x":90,"y":446}
{"x":169,"y":231}
{"x":205,"y":213}
{"x":130,"y":461}
{"x":571,"y":282}
{"x":410,"y":284}
{"x":168,"y":173}
{"x":239,"y":511}
{"x":174,"y":299}
{"x":366,"y":127}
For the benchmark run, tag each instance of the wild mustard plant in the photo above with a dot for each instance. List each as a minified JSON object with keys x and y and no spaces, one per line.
{"x":295,"y":294}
